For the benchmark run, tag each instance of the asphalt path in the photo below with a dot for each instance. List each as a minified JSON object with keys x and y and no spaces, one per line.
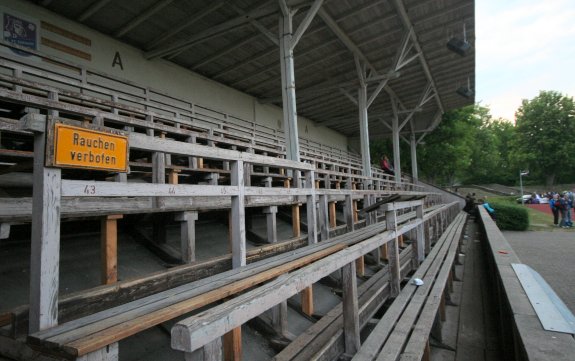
{"x":552,"y":254}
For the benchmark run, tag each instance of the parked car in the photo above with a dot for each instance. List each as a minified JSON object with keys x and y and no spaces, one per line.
{"x":528,"y":199}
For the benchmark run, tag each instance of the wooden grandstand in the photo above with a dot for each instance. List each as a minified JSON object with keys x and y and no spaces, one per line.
{"x":352,"y":229}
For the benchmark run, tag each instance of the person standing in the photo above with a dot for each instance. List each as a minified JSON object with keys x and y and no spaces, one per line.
{"x":554,"y":204}
{"x":566,"y":211}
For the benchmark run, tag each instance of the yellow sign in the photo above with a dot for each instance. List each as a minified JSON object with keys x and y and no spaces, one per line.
{"x":84,"y":148}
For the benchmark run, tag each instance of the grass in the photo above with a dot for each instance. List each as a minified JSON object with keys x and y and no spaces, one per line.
{"x":538,"y":221}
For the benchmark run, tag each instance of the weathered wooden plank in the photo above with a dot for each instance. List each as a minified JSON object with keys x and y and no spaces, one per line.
{"x":393,"y":254}
{"x":350,"y":309}
{"x":311,"y":208}
{"x":420,"y":236}
{"x":323,"y":217}
{"x":45,"y":253}
{"x":193,"y":332}
{"x":372,"y":294}
{"x":150,"y":312}
{"x":140,"y":141}
{"x":139,"y":324}
{"x":86,"y":302}
{"x":108,"y":353}
{"x":238,"y":217}
{"x":394,"y":344}
{"x":419,"y":337}
{"x":370,"y":348}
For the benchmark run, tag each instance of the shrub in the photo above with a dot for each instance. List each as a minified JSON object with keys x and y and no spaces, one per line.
{"x":511,"y":217}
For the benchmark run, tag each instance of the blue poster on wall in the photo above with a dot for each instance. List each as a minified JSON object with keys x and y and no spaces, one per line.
{"x":20,"y":32}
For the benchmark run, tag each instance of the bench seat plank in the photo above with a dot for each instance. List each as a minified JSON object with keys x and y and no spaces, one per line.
{"x":372,"y":345}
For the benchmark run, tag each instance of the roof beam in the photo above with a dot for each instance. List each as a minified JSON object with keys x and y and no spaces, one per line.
{"x":332,"y":25}
{"x":305,"y":23}
{"x":221,"y":28}
{"x":225,"y":51}
{"x":198,"y":16}
{"x":258,"y":25}
{"x":409,"y":27}
{"x":92,"y":9}
{"x":142,"y":17}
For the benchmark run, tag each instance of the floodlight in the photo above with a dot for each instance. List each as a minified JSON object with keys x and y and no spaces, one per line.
{"x":459,"y":46}
{"x":465,"y":92}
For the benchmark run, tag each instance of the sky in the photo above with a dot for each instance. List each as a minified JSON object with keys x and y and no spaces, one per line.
{"x":522,"y":47}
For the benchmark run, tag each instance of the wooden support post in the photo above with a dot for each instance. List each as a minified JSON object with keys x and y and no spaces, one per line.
{"x":4,"y":230}
{"x":159,"y":165}
{"x":355,"y":213}
{"x":296,"y":229}
{"x":210,"y":352}
{"x":238,"y":217}
{"x":427,"y":238}
{"x":233,"y":344}
{"x":350,"y":310}
{"x":393,"y":254}
{"x":360,"y":266}
{"x":400,"y":241}
{"x":332,"y":209}
{"x":173,"y":176}
{"x":426,"y":352}
{"x":348,"y":210}
{"x":323,"y":217}
{"x":108,"y":353}
{"x":442,"y":307}
{"x":279,"y":318}
{"x":332,"y":215}
{"x":307,"y":300}
{"x":188,"y":235}
{"x":109,"y":249}
{"x":311,"y":208}
{"x":419,"y":249}
{"x":192,"y":161}
{"x":271,"y":223}
{"x":383,"y":252}
{"x":45,"y":252}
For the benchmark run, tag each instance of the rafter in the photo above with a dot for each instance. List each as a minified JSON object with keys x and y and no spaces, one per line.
{"x":92,"y":9}
{"x":142,"y":17}
{"x":409,"y":27}
{"x":216,"y":30}
{"x":191,"y":21}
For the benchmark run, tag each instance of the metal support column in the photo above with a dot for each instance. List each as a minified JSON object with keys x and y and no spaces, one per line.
{"x":288,"y":86}
{"x":413,"y":143}
{"x":395,"y":130}
{"x":363,"y":130}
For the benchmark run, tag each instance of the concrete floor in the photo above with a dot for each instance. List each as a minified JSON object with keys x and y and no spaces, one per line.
{"x":552,"y":255}
{"x":470,"y":331}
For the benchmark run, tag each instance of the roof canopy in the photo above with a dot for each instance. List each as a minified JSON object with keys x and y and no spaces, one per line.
{"x":236,"y":43}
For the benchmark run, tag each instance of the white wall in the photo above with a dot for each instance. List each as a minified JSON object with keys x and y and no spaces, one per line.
{"x":163,"y":75}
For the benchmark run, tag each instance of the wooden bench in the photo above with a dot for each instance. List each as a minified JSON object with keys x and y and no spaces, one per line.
{"x":403,"y":332}
{"x":324,"y":339}
{"x":91,"y":334}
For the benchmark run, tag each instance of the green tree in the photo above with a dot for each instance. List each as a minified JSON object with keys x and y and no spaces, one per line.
{"x":490,"y":158}
{"x":447,"y":153}
{"x":544,"y":136}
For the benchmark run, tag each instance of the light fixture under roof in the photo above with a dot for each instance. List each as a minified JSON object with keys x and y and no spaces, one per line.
{"x":458,"y":46}
{"x":466,"y":91}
